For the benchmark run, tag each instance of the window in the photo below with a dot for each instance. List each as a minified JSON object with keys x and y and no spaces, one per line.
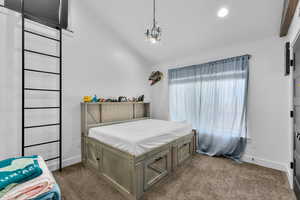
{"x":212,"y":97}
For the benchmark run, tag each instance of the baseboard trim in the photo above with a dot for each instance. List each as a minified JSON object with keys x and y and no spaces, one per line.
{"x":66,"y":162}
{"x":264,"y":163}
{"x":271,"y":164}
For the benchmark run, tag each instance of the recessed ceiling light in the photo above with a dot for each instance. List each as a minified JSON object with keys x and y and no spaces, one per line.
{"x":223,"y":12}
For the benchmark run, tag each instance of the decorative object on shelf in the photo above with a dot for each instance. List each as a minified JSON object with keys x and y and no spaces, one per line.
{"x":102,"y":100}
{"x":154,"y":33}
{"x":95,"y":99}
{"x":111,"y":100}
{"x":141,"y":98}
{"x":132,"y":99}
{"x":155,"y":77}
{"x":87,"y":99}
{"x":122,"y":99}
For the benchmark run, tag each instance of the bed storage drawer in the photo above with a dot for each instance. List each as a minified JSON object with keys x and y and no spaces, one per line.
{"x":157,"y":167}
{"x":92,"y":153}
{"x":182,"y":150}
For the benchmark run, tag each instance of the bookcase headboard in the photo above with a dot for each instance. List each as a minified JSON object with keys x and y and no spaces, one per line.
{"x":106,"y":113}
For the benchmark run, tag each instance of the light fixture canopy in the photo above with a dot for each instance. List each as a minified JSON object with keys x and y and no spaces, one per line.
{"x":154,"y":33}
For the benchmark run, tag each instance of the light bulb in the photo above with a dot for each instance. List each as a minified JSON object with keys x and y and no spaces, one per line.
{"x":153,"y":40}
{"x":223,"y":12}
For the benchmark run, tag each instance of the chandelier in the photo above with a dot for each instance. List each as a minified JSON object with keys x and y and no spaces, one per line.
{"x":154,"y":33}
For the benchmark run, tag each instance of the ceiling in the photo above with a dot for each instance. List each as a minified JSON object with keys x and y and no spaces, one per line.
{"x":188,"y":25}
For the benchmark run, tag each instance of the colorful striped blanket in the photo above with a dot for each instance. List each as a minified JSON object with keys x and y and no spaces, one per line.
{"x":18,"y":170}
{"x":42,"y":187}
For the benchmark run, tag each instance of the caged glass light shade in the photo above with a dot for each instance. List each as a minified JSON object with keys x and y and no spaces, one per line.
{"x":153,"y":34}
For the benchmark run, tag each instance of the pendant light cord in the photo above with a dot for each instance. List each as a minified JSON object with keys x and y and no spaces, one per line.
{"x":154,"y":21}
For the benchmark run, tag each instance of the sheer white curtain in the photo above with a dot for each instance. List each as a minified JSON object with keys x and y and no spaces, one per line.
{"x":213,"y":98}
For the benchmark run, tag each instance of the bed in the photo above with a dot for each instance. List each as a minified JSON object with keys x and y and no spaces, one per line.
{"x":131,"y":151}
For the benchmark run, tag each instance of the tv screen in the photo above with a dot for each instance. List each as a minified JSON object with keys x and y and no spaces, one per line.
{"x":43,"y":11}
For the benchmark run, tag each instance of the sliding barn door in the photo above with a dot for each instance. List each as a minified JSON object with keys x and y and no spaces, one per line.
{"x":296,"y":78}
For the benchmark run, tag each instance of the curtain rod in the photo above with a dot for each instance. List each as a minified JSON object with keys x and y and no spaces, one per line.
{"x":220,"y":60}
{"x":249,"y":56}
{"x":68,"y":30}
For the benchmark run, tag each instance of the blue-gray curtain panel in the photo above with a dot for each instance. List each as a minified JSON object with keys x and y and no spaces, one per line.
{"x":213,"y":98}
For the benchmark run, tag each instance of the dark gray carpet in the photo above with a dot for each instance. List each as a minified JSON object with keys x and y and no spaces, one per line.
{"x":204,"y":178}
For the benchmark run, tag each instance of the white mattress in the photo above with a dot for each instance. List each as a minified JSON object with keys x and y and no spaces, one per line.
{"x":139,"y":137}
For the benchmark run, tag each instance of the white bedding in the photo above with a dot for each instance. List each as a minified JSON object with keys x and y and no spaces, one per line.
{"x":139,"y":137}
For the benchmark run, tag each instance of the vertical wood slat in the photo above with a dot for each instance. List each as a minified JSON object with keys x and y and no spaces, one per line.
{"x":134,"y":110}
{"x":116,"y":112}
{"x":100,"y":111}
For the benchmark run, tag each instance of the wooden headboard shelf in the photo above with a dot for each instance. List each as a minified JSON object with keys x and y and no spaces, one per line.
{"x":106,"y":113}
{"x":114,"y":103}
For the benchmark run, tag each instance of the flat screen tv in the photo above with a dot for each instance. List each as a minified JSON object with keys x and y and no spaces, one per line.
{"x":52,"y":13}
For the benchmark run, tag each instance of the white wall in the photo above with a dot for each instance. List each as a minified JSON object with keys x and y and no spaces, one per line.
{"x":95,"y":61}
{"x":268,"y":97}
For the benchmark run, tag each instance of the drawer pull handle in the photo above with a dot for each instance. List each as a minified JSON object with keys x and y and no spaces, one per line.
{"x":158,"y":159}
{"x":298,"y":135}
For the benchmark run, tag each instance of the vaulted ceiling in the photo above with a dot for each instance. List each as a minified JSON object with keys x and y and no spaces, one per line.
{"x":188,"y":25}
